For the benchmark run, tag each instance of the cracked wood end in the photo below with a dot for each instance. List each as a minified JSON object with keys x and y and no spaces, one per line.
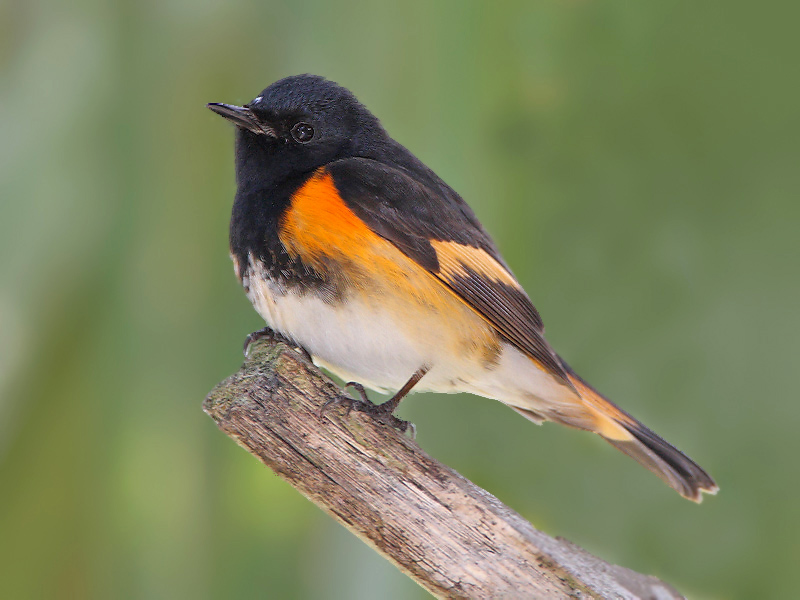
{"x":453,"y":538}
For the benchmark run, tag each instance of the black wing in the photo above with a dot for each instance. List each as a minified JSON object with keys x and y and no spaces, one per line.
{"x":435,"y":227}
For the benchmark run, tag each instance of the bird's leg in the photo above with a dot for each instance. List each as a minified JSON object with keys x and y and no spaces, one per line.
{"x":268,"y":332}
{"x":382,"y":412}
{"x":388,"y":407}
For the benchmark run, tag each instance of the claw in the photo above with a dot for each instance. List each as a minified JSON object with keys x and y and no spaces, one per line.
{"x":380,"y":412}
{"x":272,"y":334}
{"x":255,"y":336}
{"x":346,"y":400}
{"x":359,"y":388}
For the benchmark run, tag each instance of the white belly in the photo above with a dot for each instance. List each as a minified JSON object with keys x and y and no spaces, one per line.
{"x":353,"y":340}
{"x":373,"y":341}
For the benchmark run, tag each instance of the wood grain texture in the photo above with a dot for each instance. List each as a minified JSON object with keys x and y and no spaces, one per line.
{"x":453,"y":538}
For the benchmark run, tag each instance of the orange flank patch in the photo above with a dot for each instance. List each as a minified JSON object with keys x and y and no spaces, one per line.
{"x":607,"y":417}
{"x":456,"y":260}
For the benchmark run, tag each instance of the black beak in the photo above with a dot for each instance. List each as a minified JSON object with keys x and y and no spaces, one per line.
{"x":242,"y":116}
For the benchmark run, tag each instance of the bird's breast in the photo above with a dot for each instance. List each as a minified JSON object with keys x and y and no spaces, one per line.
{"x":358,"y":304}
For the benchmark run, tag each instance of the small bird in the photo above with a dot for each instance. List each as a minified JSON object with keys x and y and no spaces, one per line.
{"x":354,"y":250}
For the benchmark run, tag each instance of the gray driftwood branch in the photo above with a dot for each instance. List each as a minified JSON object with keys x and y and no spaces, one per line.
{"x":453,"y":538}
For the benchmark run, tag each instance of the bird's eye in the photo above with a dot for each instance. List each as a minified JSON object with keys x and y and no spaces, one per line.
{"x":302,"y":132}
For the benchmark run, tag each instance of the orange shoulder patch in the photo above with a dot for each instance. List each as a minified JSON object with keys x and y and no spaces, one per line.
{"x":323,"y":232}
{"x":318,"y":223}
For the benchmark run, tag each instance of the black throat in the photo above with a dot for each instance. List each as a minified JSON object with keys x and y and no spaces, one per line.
{"x":264,"y":189}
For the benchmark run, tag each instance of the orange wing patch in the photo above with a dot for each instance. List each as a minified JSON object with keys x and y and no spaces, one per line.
{"x":492,"y":292}
{"x":457,"y":260}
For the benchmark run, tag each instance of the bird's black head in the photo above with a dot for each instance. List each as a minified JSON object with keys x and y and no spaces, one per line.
{"x":298,"y":124}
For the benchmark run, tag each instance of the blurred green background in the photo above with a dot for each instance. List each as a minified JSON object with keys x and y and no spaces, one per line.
{"x":637,"y":164}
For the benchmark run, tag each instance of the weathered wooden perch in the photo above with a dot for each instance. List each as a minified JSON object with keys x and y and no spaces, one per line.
{"x":453,"y":538}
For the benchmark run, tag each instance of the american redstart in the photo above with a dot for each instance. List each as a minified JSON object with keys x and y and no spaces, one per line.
{"x":353,"y":249}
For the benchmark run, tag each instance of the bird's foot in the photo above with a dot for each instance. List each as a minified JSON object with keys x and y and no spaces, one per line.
{"x":266,"y":332}
{"x":379,"y":412}
{"x":270,"y":333}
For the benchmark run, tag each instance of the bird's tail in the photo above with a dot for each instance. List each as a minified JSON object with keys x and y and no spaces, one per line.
{"x":627,"y":434}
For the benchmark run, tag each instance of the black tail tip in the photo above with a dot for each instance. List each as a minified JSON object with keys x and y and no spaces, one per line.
{"x":676,"y":469}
